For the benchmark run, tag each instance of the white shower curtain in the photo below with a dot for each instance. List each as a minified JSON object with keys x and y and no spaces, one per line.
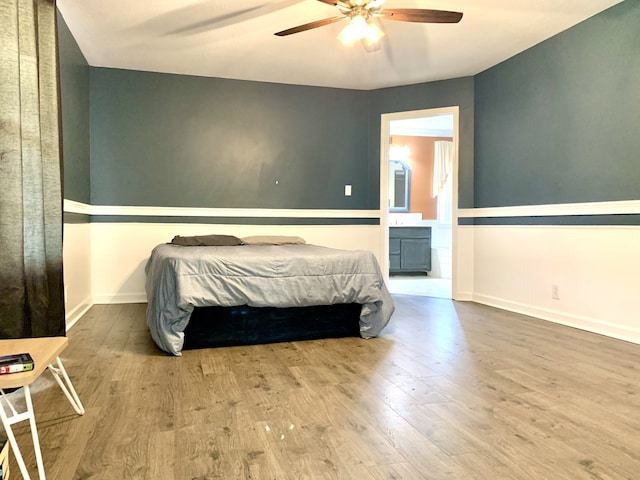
{"x":442,"y":165}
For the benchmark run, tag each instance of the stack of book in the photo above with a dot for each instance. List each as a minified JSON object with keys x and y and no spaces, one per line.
{"x":20,"y":362}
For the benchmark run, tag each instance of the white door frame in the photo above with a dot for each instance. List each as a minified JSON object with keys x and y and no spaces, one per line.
{"x":385,"y":135}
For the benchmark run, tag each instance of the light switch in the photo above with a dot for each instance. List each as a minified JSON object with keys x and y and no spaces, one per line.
{"x":347,"y":190}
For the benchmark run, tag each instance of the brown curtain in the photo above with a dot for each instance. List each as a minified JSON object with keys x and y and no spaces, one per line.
{"x":31,"y":284}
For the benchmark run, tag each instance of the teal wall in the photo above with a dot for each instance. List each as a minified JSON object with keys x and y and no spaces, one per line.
{"x":185,"y":141}
{"x":560,"y":122}
{"x":74,"y":93}
{"x":447,"y":93}
{"x":557,"y":123}
{"x":211,"y":142}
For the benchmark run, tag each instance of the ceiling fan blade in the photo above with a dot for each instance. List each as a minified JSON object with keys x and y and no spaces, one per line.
{"x":420,"y":15}
{"x":309,"y":26}
{"x":335,"y":3}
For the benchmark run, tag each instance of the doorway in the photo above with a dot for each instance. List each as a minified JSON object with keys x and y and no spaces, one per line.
{"x":432,"y":205}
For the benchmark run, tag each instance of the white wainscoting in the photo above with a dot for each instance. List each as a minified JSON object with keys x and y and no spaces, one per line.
{"x":462,"y":284}
{"x":120,"y":250}
{"x":595,"y":268}
{"x":104,"y":262}
{"x":77,"y":270}
{"x":509,"y":267}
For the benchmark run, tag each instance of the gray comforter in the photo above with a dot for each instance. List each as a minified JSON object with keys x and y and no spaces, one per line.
{"x":181,"y":278}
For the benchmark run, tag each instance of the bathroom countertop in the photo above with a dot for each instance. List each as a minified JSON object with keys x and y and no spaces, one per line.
{"x":411,"y":226}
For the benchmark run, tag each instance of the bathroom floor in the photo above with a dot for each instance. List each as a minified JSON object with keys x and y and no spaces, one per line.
{"x":420,"y":285}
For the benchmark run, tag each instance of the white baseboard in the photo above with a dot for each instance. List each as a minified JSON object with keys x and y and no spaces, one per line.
{"x":72,"y":317}
{"x":576,"y":321}
{"x":463,"y":296}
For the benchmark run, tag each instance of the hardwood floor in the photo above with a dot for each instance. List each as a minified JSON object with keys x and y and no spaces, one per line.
{"x":449,"y":391}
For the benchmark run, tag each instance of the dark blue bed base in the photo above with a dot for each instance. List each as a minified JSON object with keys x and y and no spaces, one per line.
{"x":243,"y":325}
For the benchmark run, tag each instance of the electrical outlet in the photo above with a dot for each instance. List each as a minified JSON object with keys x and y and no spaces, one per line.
{"x":555,"y":292}
{"x":347,"y":190}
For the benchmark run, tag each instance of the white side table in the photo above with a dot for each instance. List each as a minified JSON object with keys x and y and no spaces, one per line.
{"x":4,"y":460}
{"x":45,"y":352}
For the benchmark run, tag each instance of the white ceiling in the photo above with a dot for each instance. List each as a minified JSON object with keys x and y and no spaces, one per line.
{"x":234,"y":38}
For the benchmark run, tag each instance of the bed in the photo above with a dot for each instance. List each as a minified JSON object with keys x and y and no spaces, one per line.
{"x":282,"y":276}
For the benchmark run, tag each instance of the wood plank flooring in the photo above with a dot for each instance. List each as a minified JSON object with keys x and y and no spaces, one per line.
{"x":449,"y":391}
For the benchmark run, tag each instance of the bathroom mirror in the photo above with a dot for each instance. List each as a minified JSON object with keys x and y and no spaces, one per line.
{"x":399,"y":176}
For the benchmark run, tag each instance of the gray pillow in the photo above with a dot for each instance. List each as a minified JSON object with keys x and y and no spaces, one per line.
{"x":272,"y":240}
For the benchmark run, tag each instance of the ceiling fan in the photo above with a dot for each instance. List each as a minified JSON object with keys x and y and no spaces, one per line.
{"x":360,"y":13}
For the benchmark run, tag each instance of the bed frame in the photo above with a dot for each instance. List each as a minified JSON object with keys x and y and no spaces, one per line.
{"x":229,"y":326}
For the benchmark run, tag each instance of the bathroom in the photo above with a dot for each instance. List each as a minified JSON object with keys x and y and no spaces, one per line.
{"x":420,"y":195}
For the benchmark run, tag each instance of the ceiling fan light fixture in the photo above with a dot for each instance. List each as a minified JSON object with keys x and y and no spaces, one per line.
{"x":374,"y":34}
{"x":361,"y":12}
{"x":359,"y":28}
{"x":354,"y":31}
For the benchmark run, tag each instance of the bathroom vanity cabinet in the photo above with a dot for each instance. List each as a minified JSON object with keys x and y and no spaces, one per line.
{"x":409,"y":249}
